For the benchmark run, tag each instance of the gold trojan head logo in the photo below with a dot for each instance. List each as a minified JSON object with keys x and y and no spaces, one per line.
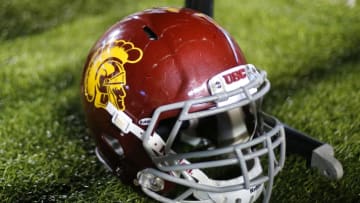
{"x":105,"y":78}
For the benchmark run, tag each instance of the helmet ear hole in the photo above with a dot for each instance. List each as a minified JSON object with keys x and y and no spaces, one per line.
{"x":115,"y":145}
{"x":109,"y":151}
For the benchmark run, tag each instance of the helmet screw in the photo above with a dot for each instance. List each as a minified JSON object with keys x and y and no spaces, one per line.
{"x":118,"y":171}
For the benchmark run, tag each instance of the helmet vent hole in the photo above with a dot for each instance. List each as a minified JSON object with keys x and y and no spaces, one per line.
{"x":150,"y":33}
{"x":115,"y":145}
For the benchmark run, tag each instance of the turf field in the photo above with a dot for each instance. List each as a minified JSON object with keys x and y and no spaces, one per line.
{"x":310,"y":49}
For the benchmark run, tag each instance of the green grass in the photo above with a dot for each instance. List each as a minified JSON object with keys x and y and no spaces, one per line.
{"x":310,"y":50}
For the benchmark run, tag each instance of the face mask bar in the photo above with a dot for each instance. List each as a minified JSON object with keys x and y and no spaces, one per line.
{"x":164,"y":162}
{"x":259,"y":82}
{"x":274,"y":138}
{"x":169,"y":161}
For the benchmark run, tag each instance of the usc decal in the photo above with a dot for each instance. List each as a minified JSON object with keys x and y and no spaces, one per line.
{"x":234,"y":76}
{"x":105,"y":77}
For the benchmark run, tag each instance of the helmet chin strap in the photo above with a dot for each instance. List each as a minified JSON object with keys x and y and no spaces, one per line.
{"x":243,"y":196}
{"x":122,"y":121}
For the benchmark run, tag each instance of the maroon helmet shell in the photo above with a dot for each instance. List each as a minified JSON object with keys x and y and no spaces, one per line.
{"x":147,"y":60}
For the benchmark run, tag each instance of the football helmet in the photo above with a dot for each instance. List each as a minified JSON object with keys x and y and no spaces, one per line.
{"x":175,"y":110}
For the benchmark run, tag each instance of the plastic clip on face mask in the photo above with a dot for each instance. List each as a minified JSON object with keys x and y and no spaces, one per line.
{"x":190,"y":129}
